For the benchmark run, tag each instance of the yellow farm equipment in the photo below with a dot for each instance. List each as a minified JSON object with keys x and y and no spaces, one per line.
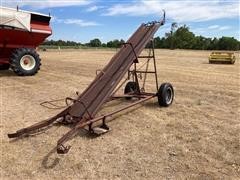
{"x":222,"y":57}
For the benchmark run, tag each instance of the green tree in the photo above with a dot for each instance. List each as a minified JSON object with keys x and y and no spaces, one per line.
{"x":184,"y":39}
{"x":228,"y":43}
{"x":115,"y":43}
{"x":214,"y":44}
{"x":95,"y":43}
{"x":104,"y":45}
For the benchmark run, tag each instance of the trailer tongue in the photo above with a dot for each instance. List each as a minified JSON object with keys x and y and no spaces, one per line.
{"x":82,"y":112}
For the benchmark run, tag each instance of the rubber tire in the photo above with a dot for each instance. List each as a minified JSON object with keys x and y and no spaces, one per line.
{"x":4,"y":66}
{"x":15,"y":61}
{"x":130,"y":87}
{"x":163,"y":99}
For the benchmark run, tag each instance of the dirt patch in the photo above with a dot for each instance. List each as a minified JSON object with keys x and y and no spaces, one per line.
{"x":196,"y":138}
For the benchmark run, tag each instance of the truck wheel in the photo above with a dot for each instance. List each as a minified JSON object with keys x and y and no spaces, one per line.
{"x":25,"y":61}
{"x":4,"y":66}
{"x":165,"y":95}
{"x":130,"y":87}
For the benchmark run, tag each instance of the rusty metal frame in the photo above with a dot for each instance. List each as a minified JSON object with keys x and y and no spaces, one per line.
{"x":117,"y":67}
{"x":61,"y":148}
{"x":135,"y":71}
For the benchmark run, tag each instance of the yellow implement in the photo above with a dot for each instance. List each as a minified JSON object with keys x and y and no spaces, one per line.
{"x":222,"y":57}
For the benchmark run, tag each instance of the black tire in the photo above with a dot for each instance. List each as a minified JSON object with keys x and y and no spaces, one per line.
{"x":165,"y":95}
{"x":130,"y":88}
{"x":4,"y":66}
{"x":18,"y":65}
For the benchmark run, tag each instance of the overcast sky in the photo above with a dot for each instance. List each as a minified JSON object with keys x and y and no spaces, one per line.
{"x":82,"y":20}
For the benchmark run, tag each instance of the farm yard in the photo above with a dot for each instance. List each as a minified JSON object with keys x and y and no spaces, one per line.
{"x":198,"y":137}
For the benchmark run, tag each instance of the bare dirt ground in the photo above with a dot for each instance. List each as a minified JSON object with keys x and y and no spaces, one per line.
{"x":198,"y":137}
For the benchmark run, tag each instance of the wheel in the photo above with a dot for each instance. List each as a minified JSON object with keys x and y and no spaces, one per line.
{"x":4,"y":66}
{"x":25,"y":61}
{"x":130,"y":88}
{"x":165,"y":95}
{"x":233,"y":60}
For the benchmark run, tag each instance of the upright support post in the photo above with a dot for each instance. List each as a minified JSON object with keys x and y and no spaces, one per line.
{"x":155,"y":66}
{"x":134,"y":72}
{"x":147,"y":65}
{"x":136,"y":78}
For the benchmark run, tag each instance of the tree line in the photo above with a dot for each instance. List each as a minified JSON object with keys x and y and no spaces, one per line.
{"x":177,"y":38}
{"x":183,"y":38}
{"x":92,"y":43}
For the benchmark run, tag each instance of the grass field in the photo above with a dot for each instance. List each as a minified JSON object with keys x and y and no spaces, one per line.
{"x":198,"y":137}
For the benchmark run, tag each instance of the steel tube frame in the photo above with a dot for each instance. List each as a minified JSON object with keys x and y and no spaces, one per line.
{"x":135,"y":71}
{"x":89,"y":110}
{"x":62,"y":149}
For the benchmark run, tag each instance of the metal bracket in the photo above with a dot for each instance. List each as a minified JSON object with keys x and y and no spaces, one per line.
{"x":63,"y":149}
{"x":100,"y":129}
{"x":99,"y":70}
{"x":161,"y":22}
{"x":136,"y":60}
{"x":104,"y":125}
{"x":76,"y":100}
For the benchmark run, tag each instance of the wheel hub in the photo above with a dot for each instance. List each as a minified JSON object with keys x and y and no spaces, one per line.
{"x":169,"y":95}
{"x":27,"y":62}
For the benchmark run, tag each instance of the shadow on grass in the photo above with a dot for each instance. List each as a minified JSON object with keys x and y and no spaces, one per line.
{"x":218,"y":63}
{"x":7,"y":73}
{"x":48,"y":162}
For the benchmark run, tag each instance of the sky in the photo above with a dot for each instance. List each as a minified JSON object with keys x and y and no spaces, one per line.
{"x":83,"y":20}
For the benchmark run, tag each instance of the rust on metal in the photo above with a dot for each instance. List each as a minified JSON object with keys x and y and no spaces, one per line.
{"x":82,"y":110}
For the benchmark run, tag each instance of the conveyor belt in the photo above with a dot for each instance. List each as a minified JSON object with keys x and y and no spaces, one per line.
{"x":104,"y":84}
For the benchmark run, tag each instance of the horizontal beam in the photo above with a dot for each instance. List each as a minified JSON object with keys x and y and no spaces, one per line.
{"x":61,"y":149}
{"x":145,"y":56}
{"x":151,"y":72}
